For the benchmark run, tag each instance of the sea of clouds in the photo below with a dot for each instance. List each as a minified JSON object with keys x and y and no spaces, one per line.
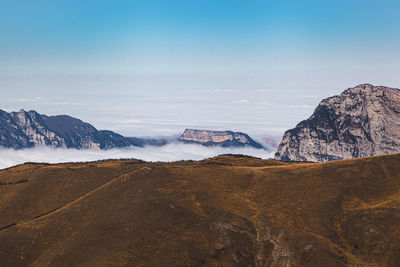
{"x":167,"y":153}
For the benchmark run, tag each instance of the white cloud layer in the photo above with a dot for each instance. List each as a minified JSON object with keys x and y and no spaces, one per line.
{"x":170,"y":152}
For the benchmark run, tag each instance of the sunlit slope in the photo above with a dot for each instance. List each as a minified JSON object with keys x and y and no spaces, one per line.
{"x":225,"y":211}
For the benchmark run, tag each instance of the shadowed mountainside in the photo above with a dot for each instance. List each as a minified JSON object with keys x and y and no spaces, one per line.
{"x":224,"y":211}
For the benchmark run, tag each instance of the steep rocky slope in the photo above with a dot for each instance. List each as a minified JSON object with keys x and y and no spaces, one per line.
{"x":362,"y":121}
{"x":219,"y":138}
{"x":28,"y":128}
{"x":224,"y":211}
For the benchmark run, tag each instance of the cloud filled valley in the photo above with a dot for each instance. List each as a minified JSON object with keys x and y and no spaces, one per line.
{"x":167,"y":153}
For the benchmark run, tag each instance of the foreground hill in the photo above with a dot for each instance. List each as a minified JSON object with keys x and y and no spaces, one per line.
{"x":224,"y":211}
{"x":362,"y":121}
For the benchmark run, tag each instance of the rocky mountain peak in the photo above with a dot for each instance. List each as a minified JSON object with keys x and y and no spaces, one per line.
{"x":361,"y":121}
{"x":368,"y":91}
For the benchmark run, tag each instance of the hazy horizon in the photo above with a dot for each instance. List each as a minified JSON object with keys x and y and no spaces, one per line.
{"x":145,"y":68}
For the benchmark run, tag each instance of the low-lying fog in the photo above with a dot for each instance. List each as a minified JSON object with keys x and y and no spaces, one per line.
{"x":170,"y":152}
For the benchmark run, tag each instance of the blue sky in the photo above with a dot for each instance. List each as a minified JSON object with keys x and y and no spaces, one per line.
{"x":155,"y":67}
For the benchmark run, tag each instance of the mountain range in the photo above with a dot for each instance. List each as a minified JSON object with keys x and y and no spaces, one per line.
{"x":25,"y":129}
{"x":362,"y":121}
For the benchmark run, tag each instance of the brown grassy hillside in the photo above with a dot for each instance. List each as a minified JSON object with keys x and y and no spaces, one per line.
{"x":225,"y":211}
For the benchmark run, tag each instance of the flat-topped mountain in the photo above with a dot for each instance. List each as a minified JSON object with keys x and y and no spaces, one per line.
{"x":219,"y":138}
{"x":362,"y":121}
{"x":224,"y":211}
{"x":28,"y":128}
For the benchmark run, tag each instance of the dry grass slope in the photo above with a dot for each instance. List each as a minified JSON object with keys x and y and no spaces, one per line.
{"x":225,"y":211}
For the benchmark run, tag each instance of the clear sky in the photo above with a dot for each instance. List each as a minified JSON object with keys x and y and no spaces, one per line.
{"x":156,"y":67}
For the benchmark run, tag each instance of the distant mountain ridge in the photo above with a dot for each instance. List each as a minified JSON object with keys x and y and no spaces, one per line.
{"x":220,"y":138}
{"x":28,"y":128}
{"x":362,"y":121}
{"x":24,"y":129}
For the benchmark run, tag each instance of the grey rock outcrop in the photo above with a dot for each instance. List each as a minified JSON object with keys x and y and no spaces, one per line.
{"x":362,"y":121}
{"x":217,"y":138}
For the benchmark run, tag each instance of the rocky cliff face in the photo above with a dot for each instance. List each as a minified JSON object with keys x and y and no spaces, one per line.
{"x":28,"y":128}
{"x":362,"y":121}
{"x":220,"y":138}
